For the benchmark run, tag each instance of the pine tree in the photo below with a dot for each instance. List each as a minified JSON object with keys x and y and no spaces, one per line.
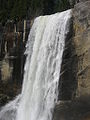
{"x":61,"y":5}
{"x":21,"y":9}
{"x":48,"y":6}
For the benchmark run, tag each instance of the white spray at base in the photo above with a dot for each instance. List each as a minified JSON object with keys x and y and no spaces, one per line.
{"x":44,"y":51}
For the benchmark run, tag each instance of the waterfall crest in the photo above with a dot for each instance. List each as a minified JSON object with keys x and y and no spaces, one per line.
{"x":44,"y":52}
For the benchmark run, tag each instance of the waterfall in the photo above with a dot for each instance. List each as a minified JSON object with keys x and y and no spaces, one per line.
{"x":44,"y":52}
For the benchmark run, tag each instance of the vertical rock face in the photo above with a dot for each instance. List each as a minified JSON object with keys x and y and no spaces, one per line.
{"x":68,"y":80}
{"x":77,"y":108}
{"x":81,"y":15}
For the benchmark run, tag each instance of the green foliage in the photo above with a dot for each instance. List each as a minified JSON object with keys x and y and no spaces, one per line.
{"x":61,"y":5}
{"x":48,"y":6}
{"x":20,"y":9}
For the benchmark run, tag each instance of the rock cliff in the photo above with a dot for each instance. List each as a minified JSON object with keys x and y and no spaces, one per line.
{"x":75,"y":81}
{"x":81,"y":15}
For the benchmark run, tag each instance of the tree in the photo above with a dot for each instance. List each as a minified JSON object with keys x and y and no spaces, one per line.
{"x":48,"y":6}
{"x":21,"y":9}
{"x":61,"y":5}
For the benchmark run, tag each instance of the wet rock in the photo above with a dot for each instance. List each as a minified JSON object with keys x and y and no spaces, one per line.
{"x":8,"y":91}
{"x":4,"y":99}
{"x":78,"y":109}
{"x":68,"y":79}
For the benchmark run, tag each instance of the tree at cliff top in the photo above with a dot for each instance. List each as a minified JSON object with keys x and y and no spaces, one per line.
{"x":21,"y":9}
{"x":61,"y":5}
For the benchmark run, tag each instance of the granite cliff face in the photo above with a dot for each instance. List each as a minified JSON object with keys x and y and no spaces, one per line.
{"x":81,"y":15}
{"x":75,"y":81}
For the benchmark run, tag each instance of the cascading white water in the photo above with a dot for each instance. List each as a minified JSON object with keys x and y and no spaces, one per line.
{"x":42,"y":70}
{"x":44,"y":51}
